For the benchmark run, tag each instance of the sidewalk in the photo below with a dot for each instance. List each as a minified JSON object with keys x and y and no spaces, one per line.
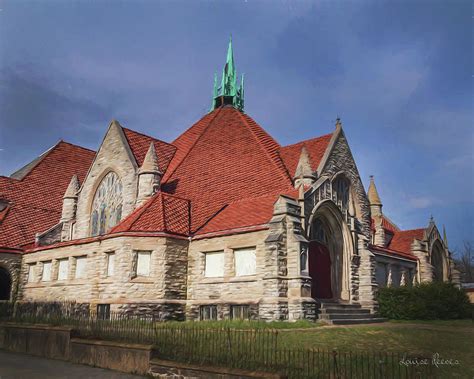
{"x":22,"y":366}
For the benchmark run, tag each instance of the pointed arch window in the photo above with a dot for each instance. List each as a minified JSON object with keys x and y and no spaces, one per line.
{"x":341,"y":187}
{"x":107,"y":205}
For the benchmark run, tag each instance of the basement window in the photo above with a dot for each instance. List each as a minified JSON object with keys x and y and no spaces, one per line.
{"x":208,"y":312}
{"x":239,"y":312}
{"x":103,"y":311}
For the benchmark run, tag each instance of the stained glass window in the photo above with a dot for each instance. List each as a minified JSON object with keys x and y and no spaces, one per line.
{"x":107,"y":205}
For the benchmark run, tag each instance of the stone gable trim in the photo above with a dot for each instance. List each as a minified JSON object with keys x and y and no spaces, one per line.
{"x":123,"y":138}
{"x":329,"y":149}
{"x":84,"y":241}
{"x":231,"y":232}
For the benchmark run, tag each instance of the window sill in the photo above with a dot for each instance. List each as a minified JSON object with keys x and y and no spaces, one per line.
{"x":244,"y":278}
{"x":142,"y":279}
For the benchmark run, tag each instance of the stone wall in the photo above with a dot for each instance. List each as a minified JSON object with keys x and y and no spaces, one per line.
{"x":167,"y":279}
{"x":229,"y":289}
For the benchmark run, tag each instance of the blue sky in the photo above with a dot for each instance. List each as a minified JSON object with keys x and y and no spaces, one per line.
{"x":398,"y":73}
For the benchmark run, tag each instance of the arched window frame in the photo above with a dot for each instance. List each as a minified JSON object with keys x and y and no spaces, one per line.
{"x":106,"y":208}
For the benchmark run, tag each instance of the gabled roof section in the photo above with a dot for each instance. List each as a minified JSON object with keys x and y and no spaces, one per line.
{"x":315,"y":147}
{"x":224,"y":157}
{"x":242,"y":214}
{"x":161,"y":213}
{"x":140,"y":143}
{"x":35,"y":201}
{"x":402,"y":240}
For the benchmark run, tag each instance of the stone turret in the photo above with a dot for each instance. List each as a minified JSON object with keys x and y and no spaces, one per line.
{"x":304,"y":173}
{"x":149,"y":176}
{"x":70,"y":200}
{"x":376,"y":213}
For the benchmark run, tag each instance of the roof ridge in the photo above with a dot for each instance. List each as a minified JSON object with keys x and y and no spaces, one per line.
{"x":148,"y":136}
{"x":136,"y":213}
{"x":168,"y":173}
{"x":306,"y":140}
{"x":281,"y":167}
{"x":75,"y":145}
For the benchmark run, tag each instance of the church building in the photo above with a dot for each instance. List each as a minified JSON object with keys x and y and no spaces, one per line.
{"x":221,"y":223}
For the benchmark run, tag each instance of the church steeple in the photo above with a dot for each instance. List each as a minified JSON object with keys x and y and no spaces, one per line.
{"x":228,"y":92}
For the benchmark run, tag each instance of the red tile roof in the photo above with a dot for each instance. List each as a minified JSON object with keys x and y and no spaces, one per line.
{"x":225,"y":172}
{"x":392,"y":252}
{"x":36,"y":199}
{"x":316,"y":148}
{"x":241,"y":214}
{"x":139,"y":144}
{"x":223,"y":158}
{"x":387,"y":224}
{"x":163,"y":212}
{"x":402,"y":240}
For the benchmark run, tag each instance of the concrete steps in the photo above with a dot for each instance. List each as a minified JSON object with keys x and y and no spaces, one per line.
{"x":345,"y":314}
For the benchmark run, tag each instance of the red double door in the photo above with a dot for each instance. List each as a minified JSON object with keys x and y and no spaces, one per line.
{"x":320,"y":270}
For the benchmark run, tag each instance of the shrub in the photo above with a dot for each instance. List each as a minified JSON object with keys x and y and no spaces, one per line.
{"x":426,"y":301}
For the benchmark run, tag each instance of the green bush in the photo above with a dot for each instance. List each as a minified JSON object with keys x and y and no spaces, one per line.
{"x":427,"y":301}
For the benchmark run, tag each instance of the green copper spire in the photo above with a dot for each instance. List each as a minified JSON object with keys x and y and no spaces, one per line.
{"x":228,"y":93}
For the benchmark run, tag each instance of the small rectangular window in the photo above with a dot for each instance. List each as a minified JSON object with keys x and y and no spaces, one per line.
{"x":110,"y":264}
{"x":31,"y":272}
{"x":239,"y":312}
{"x":81,"y":265}
{"x":208,"y":312}
{"x":46,"y":272}
{"x":103,"y":311}
{"x":63,"y":267}
{"x":143,"y":263}
{"x":245,"y":261}
{"x":214,"y":265}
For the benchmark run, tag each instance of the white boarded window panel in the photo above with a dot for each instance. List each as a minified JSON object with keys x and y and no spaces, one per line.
{"x":143,"y":263}
{"x":81,"y":264}
{"x":245,"y":262}
{"x":214,"y":264}
{"x":110,"y":264}
{"x":31,"y":273}
{"x":63,"y":269}
{"x":46,"y":272}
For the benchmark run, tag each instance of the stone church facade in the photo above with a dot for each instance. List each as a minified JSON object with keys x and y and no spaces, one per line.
{"x":221,"y":223}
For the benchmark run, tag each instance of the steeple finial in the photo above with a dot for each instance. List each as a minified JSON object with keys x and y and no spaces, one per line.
{"x":228,"y":93}
{"x":338,"y":122}
{"x":72,"y":188}
{"x":150,"y":163}
{"x":445,"y":237}
{"x":372,"y":193}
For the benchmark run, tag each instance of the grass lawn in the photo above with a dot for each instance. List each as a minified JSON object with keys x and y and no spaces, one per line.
{"x":451,"y":339}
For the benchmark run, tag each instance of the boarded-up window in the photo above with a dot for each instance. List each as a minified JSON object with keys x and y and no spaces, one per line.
{"x":143,"y":263}
{"x":81,"y":266}
{"x":46,"y":272}
{"x":63,"y":267}
{"x":214,"y":264}
{"x":31,"y":272}
{"x":245,"y":261}
{"x":110,"y":264}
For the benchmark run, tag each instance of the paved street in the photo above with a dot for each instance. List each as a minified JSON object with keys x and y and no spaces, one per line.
{"x":21,"y":366}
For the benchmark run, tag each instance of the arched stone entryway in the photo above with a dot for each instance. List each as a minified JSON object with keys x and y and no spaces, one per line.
{"x":438,"y":262}
{"x":330,"y":250}
{"x":5,"y":284}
